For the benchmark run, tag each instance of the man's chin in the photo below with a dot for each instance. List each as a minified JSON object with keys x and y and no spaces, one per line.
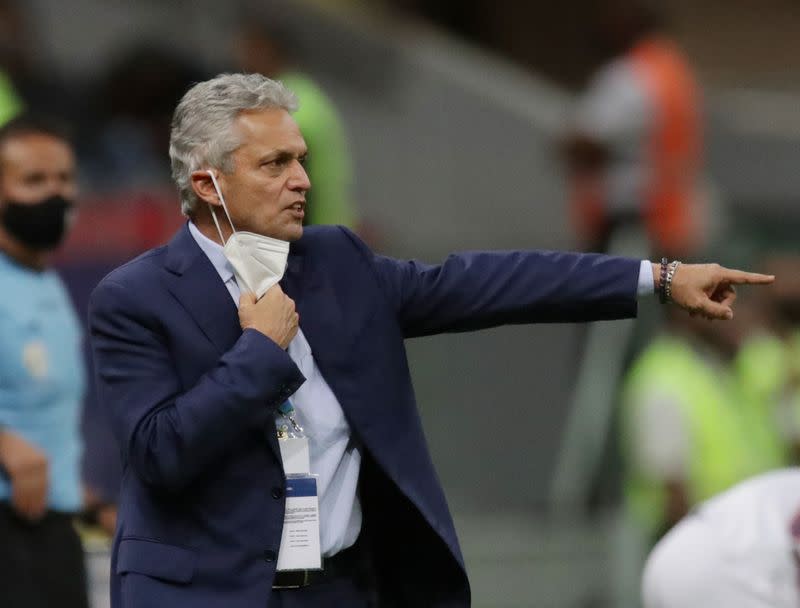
{"x":294,"y":233}
{"x":287,"y":233}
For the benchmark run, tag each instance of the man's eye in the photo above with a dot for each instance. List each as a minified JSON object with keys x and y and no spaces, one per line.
{"x":33,"y":180}
{"x":303,"y":159}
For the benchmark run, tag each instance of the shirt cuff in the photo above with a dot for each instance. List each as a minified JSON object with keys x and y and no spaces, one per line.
{"x":647,"y":284}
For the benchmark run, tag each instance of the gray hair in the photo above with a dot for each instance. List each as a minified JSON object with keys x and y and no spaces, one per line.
{"x":202,"y":134}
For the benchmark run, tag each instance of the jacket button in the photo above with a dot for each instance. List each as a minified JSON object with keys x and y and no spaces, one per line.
{"x":269,"y":556}
{"x":277,"y":493}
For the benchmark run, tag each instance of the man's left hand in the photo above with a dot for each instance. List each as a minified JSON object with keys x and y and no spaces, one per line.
{"x":709,"y":289}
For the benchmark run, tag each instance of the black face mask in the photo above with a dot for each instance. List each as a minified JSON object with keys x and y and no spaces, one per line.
{"x":41,"y":225}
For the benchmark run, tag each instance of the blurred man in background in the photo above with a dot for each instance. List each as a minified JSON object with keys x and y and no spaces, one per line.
{"x":738,"y":550}
{"x":633,"y":155}
{"x":634,"y":152}
{"x":41,"y":375}
{"x":268,"y":49}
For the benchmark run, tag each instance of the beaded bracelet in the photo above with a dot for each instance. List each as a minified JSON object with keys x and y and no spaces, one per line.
{"x":662,"y":279}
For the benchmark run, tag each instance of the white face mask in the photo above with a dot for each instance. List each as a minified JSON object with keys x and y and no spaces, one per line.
{"x":258,"y":261}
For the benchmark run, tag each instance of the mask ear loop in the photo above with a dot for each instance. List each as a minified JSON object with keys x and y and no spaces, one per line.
{"x":224,"y":207}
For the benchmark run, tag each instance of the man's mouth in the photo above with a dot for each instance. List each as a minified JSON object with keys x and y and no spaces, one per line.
{"x":298,"y":211}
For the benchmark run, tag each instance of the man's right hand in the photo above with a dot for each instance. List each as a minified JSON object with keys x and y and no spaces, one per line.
{"x":28,"y":470}
{"x":274,"y":315}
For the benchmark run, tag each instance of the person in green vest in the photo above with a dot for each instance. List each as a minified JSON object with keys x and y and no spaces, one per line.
{"x":10,"y":103}
{"x":689,"y":429}
{"x":769,"y":361}
{"x":266,"y":49}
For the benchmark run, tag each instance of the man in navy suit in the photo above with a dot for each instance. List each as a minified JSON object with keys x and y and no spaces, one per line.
{"x":204,"y":398}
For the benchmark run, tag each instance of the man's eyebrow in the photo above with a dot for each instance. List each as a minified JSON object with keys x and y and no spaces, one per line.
{"x":282,"y":154}
{"x":36,"y":174}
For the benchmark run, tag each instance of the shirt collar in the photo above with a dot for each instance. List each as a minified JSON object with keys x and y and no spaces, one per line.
{"x":214,"y":252}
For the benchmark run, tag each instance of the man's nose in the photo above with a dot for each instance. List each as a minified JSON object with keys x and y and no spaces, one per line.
{"x":299,"y":178}
{"x":62,"y":187}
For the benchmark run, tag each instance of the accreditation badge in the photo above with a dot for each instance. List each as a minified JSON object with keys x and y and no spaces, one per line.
{"x":295,"y":455}
{"x":35,"y":359}
{"x":300,"y":539}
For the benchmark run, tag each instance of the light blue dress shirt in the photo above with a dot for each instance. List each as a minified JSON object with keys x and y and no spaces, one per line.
{"x":42,"y":379}
{"x":334,"y":455}
{"x":647,"y":282}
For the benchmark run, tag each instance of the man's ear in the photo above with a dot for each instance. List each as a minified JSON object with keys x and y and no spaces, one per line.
{"x":203,"y":187}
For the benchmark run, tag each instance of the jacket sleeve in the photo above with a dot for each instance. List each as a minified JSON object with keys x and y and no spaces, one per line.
{"x":477,"y":290}
{"x":169,"y":436}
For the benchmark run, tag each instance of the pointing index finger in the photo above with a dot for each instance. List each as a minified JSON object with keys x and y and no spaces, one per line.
{"x":739,"y":277}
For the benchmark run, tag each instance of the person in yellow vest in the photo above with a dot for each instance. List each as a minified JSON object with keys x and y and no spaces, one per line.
{"x":769,"y":361}
{"x":265,"y":49}
{"x":634,"y":149}
{"x":769,"y":367}
{"x":689,"y":430}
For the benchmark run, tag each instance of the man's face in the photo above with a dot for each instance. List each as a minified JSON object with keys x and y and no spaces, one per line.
{"x":266,"y":190}
{"x":34,"y":167}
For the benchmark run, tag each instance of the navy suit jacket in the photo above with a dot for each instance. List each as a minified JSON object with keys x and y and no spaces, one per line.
{"x":191,"y":399}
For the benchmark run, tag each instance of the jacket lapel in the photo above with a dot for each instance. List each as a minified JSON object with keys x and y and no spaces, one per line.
{"x":325,"y":327}
{"x":196,"y":285}
{"x":320,"y":312}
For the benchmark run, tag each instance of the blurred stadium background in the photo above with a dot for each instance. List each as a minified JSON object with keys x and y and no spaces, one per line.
{"x":454,"y":111}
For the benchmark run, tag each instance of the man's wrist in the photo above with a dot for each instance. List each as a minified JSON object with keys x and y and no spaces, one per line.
{"x":662,"y":276}
{"x":667,"y":287}
{"x":662,"y":280}
{"x":656,"y":276}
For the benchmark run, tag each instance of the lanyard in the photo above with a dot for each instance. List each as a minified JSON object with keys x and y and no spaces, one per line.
{"x":286,"y":410}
